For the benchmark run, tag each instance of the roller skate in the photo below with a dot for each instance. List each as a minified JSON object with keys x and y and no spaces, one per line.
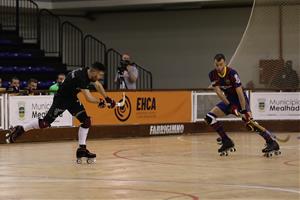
{"x":13,"y":134}
{"x":219,"y":141}
{"x":227,"y":146}
{"x":82,"y":152}
{"x":272,"y":148}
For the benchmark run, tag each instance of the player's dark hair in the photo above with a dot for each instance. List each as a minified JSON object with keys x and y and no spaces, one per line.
{"x":15,"y":78}
{"x":32,"y":80}
{"x":98,"y":66}
{"x":219,"y":57}
{"x":61,"y":74}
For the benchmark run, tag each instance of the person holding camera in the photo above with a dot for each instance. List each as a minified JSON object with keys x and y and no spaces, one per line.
{"x":127,"y":74}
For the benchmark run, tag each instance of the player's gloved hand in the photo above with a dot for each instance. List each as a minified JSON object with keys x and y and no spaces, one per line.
{"x":110,"y":102}
{"x":246,"y":115}
{"x":234,"y":110}
{"x":102,"y":103}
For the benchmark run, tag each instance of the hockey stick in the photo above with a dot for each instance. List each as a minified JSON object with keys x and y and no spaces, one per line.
{"x":257,"y":126}
{"x":122,"y":103}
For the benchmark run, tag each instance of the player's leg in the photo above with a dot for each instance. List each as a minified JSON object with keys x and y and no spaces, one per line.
{"x":55,"y":110}
{"x":211,"y":119}
{"x":77,"y":110}
{"x":271,"y":144}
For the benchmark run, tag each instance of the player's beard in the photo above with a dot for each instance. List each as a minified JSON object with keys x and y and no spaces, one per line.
{"x":220,"y":70}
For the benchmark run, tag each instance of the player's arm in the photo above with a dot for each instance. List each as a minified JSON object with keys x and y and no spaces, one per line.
{"x":89,"y":97}
{"x":240,"y":93}
{"x":221,"y":95}
{"x":100,"y":89}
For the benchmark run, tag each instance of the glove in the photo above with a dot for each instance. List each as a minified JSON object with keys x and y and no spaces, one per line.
{"x":102,"y":103}
{"x":234,"y":109}
{"x":111,"y":103}
{"x":246,"y":115}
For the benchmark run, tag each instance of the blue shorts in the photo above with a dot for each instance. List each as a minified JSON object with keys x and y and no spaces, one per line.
{"x":226,"y":108}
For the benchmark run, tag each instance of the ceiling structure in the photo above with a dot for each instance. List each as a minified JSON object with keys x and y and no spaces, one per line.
{"x":123,"y":5}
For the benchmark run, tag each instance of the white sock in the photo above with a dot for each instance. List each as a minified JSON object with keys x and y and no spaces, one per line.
{"x":34,"y":124}
{"x":82,"y":135}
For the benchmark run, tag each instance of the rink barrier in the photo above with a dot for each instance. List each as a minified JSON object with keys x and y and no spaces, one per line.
{"x":2,"y":113}
{"x":159,"y":127}
{"x":149,"y":130}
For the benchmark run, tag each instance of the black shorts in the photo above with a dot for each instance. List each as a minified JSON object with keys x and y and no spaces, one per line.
{"x":59,"y":106}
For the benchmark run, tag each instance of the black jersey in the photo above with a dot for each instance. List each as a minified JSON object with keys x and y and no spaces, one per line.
{"x":74,"y":82}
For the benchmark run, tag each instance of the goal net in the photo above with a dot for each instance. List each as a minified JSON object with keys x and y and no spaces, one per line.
{"x":268,"y":55}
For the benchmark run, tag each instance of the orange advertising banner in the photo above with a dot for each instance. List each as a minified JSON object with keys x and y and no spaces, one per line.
{"x":142,"y":108}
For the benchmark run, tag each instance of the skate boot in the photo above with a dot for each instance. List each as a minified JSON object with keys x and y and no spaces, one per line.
{"x":13,"y":134}
{"x":271,"y":148}
{"x":82,"y":152}
{"x":227,"y":145}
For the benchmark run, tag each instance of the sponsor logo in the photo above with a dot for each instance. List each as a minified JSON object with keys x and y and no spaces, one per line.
{"x":145,"y":103}
{"x":21,"y":106}
{"x":237,"y":78}
{"x":145,"y":108}
{"x":291,"y":105}
{"x":261,"y":104}
{"x":39,"y":110}
{"x":123,"y":113}
{"x":166,"y":129}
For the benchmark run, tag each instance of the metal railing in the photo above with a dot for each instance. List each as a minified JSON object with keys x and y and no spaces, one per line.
{"x":94,"y":51}
{"x":144,"y":80}
{"x":71,"y":45}
{"x":28,"y":21}
{"x":50,"y":30}
{"x":8,"y":14}
{"x":22,"y":17}
{"x":113,"y":59}
{"x":64,"y":40}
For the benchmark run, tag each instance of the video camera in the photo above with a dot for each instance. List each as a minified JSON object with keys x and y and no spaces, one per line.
{"x":123,"y":67}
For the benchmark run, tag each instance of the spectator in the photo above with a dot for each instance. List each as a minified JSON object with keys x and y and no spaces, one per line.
{"x":1,"y":88}
{"x":250,"y":85}
{"x":31,"y":86}
{"x":60,"y":79}
{"x":14,"y":85}
{"x":127,"y":74}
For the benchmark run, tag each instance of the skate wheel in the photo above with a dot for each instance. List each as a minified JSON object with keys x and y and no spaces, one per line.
{"x":232,"y":150}
{"x":224,"y":153}
{"x":219,"y":141}
{"x":79,"y":161}
{"x":7,"y":138}
{"x":277,"y":153}
{"x":90,"y":160}
{"x":268,"y":155}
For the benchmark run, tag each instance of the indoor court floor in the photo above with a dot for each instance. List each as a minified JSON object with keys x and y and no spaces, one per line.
{"x":160,"y":168}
